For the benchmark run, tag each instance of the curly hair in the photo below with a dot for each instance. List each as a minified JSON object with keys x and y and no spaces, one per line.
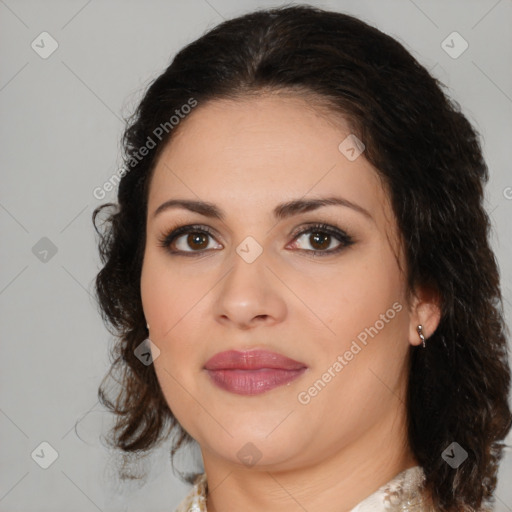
{"x":429,"y":158}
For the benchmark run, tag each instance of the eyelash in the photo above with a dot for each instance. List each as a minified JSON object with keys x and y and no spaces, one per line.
{"x":167,"y":238}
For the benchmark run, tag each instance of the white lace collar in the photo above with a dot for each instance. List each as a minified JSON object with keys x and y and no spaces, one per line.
{"x":402,"y":493}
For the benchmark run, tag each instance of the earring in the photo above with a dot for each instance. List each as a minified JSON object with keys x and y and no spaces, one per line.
{"x":420,"y":332}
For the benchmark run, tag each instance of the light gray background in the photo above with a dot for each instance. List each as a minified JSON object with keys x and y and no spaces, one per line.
{"x":61,"y":121}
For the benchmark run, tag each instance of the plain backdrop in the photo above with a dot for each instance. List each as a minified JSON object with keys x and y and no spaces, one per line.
{"x":61,"y":122}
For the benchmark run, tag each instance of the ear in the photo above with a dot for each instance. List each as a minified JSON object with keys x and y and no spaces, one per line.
{"x":425,"y":310}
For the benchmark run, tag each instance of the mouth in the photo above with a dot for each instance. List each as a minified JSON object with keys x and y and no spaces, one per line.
{"x":252,"y":372}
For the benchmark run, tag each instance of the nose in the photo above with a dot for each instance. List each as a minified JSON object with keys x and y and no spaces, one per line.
{"x":250,"y":295}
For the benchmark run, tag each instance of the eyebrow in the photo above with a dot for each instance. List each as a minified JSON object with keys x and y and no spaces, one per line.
{"x":280,"y":212}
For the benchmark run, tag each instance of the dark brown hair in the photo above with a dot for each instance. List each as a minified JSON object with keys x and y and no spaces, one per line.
{"x":429,"y":158}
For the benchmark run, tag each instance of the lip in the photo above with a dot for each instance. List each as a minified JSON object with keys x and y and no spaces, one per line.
{"x":252,"y":372}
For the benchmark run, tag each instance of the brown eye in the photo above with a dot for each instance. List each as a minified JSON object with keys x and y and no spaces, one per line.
{"x":320,"y":238}
{"x":197,"y":241}
{"x":188,"y":240}
{"x":319,"y":241}
{"x":194,"y":240}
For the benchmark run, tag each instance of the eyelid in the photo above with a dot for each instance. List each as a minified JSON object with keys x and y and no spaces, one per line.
{"x":169,"y":236}
{"x":344,"y":239}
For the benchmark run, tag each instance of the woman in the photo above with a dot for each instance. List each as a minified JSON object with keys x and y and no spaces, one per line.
{"x":300,"y":278}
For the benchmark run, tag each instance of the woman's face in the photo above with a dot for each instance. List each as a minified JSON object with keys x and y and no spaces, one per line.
{"x":255,"y":282}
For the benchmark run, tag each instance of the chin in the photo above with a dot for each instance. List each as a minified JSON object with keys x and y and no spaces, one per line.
{"x":257,"y":455}
{"x":256,"y":449}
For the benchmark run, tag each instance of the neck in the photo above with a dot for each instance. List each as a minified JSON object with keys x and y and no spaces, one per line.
{"x":333,"y":484}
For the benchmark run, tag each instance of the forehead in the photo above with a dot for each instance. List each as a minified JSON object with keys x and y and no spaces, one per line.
{"x":284,"y":128}
{"x":253,"y":153}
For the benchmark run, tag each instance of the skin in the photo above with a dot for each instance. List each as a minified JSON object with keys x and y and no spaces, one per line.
{"x":247,"y":156}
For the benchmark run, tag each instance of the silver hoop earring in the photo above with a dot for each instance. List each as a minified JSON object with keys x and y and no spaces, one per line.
{"x":420,"y":333}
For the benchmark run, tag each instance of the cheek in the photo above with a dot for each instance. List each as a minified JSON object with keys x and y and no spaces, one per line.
{"x":166,"y":295}
{"x":366,"y":314}
{"x":353,"y":294}
{"x":170,"y":302}
{"x":365,"y":311}
{"x":174,"y":304}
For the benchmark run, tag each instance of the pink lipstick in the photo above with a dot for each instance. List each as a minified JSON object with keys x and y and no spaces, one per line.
{"x":252,"y":372}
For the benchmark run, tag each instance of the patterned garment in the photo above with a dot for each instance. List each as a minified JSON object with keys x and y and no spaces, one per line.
{"x":402,"y":493}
